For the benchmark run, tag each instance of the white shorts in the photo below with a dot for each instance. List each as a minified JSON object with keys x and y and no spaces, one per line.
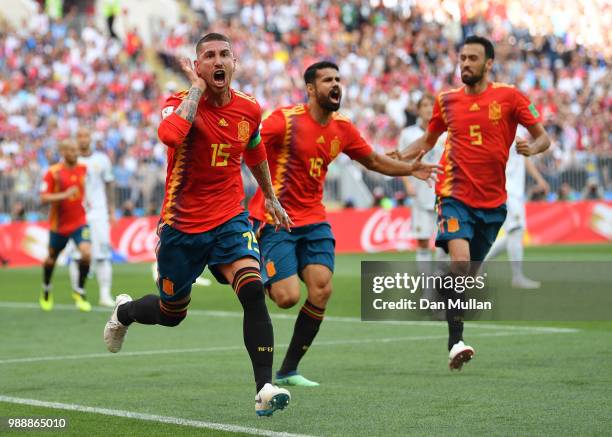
{"x":423,"y":223}
{"x":516,"y":214}
{"x":100,"y":238}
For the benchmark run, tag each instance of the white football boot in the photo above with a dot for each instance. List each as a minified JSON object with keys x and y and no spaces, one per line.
{"x":271,"y":398}
{"x":114,"y":331}
{"x":459,"y":354}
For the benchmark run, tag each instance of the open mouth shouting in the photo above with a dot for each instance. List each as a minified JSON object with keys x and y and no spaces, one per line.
{"x":219,"y":78}
{"x":335,"y":95}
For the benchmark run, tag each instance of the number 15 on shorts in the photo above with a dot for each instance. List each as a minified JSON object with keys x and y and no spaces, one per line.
{"x":251,"y":241}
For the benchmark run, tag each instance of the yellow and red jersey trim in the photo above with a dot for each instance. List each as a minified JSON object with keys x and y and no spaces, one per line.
{"x":176,"y":178}
{"x":446,"y":188}
{"x":283,"y":156}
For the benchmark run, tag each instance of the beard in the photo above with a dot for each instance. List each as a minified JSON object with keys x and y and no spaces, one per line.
{"x":474,"y":78}
{"x":325,"y":103}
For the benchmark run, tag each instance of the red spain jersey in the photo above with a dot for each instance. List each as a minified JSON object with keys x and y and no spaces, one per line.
{"x":203,"y":182}
{"x":299,"y":152}
{"x":481,"y":128}
{"x":65,"y":216}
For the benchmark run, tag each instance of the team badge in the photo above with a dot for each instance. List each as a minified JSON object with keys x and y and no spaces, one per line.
{"x":335,"y":147}
{"x":495,"y":111}
{"x":244,"y":131}
{"x":452,"y":224}
{"x":270,"y":268}
{"x":168,"y":286}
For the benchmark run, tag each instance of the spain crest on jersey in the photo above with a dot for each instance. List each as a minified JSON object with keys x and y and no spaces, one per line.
{"x":334,"y":147}
{"x":495,"y":111}
{"x":244,"y":131}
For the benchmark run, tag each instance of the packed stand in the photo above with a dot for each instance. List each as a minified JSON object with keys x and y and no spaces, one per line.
{"x":57,"y":74}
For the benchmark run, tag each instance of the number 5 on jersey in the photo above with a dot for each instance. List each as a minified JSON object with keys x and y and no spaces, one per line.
{"x":476,"y":135}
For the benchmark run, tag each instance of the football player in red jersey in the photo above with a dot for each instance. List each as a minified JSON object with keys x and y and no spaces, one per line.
{"x":63,"y":187}
{"x":301,"y":141}
{"x":208,"y":129}
{"x":481,"y":119}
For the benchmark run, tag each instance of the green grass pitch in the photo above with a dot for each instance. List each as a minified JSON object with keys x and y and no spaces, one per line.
{"x":376,"y":379}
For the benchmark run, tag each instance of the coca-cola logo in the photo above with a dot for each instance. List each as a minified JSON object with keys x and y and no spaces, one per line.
{"x":138,"y":240}
{"x":384,"y":232}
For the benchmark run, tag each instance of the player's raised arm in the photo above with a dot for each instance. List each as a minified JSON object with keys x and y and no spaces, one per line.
{"x":176,"y":123}
{"x":540,"y":142}
{"x":424,"y":144}
{"x":436,"y":126}
{"x":392,"y":167}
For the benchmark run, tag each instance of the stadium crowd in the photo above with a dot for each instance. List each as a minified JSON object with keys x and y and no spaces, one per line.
{"x":57,"y":74}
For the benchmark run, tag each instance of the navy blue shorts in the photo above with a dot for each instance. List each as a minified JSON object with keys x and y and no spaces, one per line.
{"x":79,"y":235}
{"x":182,"y":257}
{"x":479,"y":226}
{"x":287,"y":253}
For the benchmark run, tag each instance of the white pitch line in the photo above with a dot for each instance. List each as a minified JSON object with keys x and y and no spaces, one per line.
{"x":148,"y":417}
{"x":340,"y":319}
{"x":240,"y":348}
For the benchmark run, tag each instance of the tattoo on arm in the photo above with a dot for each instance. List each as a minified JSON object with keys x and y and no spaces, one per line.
{"x":261,"y":173}
{"x":188,"y":107}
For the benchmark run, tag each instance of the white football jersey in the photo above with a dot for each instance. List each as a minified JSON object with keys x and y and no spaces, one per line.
{"x":99,"y":172}
{"x":425,"y":196}
{"x":515,"y":169}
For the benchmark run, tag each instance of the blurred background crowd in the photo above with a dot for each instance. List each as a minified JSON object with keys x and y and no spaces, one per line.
{"x":74,"y":63}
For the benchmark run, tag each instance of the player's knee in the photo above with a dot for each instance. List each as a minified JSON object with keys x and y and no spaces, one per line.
{"x":284,"y":297}
{"x":85,"y":251}
{"x":320,"y":294}
{"x":460,"y":267}
{"x":286,"y":300}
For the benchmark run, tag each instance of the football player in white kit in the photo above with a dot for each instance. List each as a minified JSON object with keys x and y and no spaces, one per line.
{"x":100,"y":209}
{"x":515,"y":224}
{"x":423,"y":206}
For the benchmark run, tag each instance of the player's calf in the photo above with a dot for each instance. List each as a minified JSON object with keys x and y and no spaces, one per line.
{"x":151,"y":310}
{"x":257,"y":326}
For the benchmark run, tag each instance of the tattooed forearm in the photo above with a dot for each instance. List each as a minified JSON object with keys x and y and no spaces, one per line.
{"x":261,"y":173}
{"x":188,"y":107}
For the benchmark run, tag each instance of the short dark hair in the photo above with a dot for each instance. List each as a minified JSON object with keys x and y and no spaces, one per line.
{"x":213,"y":36}
{"x":488,"y":45}
{"x":311,"y":72}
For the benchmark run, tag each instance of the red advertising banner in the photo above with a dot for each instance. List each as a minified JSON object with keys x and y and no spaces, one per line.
{"x":356,"y":231}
